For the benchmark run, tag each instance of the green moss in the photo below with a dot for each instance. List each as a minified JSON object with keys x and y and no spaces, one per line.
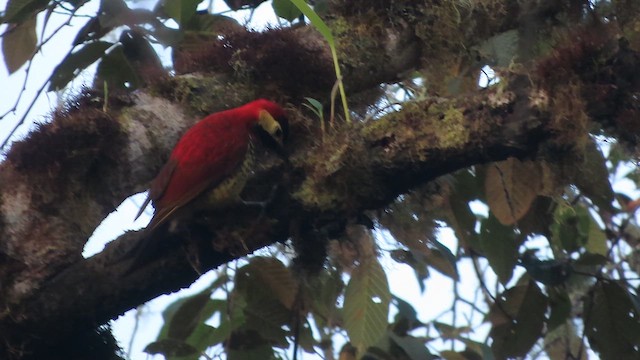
{"x":204,"y":95}
{"x":355,"y":37}
{"x":310,"y":195}
{"x":451,"y":131}
{"x":432,"y":126}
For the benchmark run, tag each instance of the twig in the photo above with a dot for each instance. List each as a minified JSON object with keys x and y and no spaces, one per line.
{"x":135,"y":330}
{"x":30,"y":107}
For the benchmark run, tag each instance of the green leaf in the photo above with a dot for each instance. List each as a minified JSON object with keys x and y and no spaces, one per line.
{"x":315,"y":106}
{"x":500,"y":246}
{"x":261,"y":352}
{"x":180,"y":10}
{"x":412,"y":346}
{"x":74,"y":63}
{"x":617,"y":155}
{"x":405,"y":310}
{"x":612,"y":322}
{"x":510,"y":187}
{"x":201,"y":339}
{"x":18,"y":10}
{"x":19,"y":44}
{"x":204,"y":336}
{"x":479,"y":348}
{"x":538,"y":218}
{"x":596,"y":239}
{"x":570,"y":230}
{"x":366,"y":304}
{"x":117,"y":71}
{"x":560,"y":305}
{"x":443,"y":260}
{"x":315,"y":20}
{"x":324,"y":290}
{"x":286,"y":9}
{"x":113,"y":13}
{"x":265,"y":312}
{"x":276,"y":277}
{"x":170,"y":348}
{"x":465,"y":188}
{"x":517,"y":319}
{"x":184,"y":315}
{"x":593,"y":177}
{"x":306,"y":340}
{"x":564,"y":342}
{"x":91,"y":31}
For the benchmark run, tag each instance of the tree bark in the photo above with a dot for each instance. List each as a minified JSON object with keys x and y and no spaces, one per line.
{"x":59,"y":183}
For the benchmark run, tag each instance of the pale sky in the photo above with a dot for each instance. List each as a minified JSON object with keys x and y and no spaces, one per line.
{"x":439,"y":289}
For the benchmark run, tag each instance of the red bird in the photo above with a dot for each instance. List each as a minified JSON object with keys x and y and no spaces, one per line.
{"x":215,"y":157}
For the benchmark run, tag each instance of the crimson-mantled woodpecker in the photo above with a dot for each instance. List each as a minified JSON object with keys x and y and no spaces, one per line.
{"x":210,"y":164}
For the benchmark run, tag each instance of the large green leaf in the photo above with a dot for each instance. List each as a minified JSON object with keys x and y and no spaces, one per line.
{"x":405,"y":311}
{"x":276,"y":277}
{"x":463,"y":221}
{"x":510,"y":187}
{"x":18,"y":10}
{"x":75,"y":62}
{"x":183,"y":316}
{"x":19,"y":44}
{"x":596,"y":239}
{"x":267,"y":286}
{"x":185,"y":335}
{"x":565,"y":343}
{"x":500,"y":246}
{"x":366,"y":304}
{"x":560,"y":305}
{"x":230,"y":320}
{"x":180,"y":10}
{"x":316,"y":21}
{"x":538,"y":218}
{"x":465,"y":188}
{"x":286,"y":9}
{"x":612,"y":321}
{"x":517,"y":319}
{"x":482,"y":350}
{"x":263,"y":352}
{"x":571,"y":228}
{"x":593,"y":177}
{"x":323,"y":291}
{"x":413,"y":347}
{"x":117,"y":71}
{"x":442,"y":259}
{"x":170,"y":348}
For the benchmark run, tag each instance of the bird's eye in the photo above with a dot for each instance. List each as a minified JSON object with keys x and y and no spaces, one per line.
{"x":278,"y":132}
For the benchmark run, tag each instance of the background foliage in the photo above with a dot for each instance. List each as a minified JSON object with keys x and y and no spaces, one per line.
{"x":548,"y":244}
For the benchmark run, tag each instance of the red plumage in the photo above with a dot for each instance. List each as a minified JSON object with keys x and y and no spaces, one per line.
{"x":207,"y":154}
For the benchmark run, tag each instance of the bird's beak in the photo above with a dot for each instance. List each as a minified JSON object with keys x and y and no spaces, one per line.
{"x":267,"y":126}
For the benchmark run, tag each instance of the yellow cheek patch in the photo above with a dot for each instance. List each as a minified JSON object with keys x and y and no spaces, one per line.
{"x":267,"y":122}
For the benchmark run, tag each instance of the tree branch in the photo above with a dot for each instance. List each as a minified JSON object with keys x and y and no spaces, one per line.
{"x":57,"y":185}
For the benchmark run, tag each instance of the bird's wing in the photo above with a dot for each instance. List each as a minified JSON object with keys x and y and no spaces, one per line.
{"x":196,"y":164}
{"x":159,"y":184}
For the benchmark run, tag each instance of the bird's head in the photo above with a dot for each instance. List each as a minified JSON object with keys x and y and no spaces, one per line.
{"x":271,"y":126}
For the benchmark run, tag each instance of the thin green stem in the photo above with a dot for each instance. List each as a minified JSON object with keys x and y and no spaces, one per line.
{"x":343,"y":94}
